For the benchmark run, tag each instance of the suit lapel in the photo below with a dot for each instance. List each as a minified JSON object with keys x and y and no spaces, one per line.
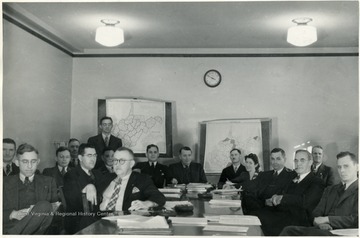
{"x":14,"y":191}
{"x":129,"y":188}
{"x":348,"y":192}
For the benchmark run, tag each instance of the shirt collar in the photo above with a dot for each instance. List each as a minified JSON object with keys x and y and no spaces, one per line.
{"x":110,"y":168}
{"x":85,"y":170}
{"x":152,"y":162}
{"x":279,"y":171}
{"x":22,"y":177}
{"x":302,"y":176}
{"x":349,"y":183}
{"x":317,"y":166}
{"x":60,"y":168}
{"x":184,"y":166}
{"x":104,"y":136}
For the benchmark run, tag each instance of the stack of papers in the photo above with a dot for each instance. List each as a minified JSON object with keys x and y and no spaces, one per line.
{"x":237,"y":229}
{"x":141,"y":222}
{"x":198,"y":187}
{"x":172,"y":195}
{"x":225,"y":202}
{"x":169,"y":205}
{"x":226,"y":191}
{"x":346,"y":232}
{"x":239,"y":220}
{"x":193,"y":221}
{"x":170,"y":190}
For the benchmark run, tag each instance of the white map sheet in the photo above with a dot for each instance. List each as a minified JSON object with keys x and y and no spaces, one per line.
{"x":223,"y":136}
{"x":138,"y":123}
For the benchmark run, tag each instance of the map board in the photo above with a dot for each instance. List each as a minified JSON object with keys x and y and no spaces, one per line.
{"x":140,"y":122}
{"x":221,"y":136}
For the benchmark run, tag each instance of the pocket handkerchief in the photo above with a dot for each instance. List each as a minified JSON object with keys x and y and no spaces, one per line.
{"x":135,"y":190}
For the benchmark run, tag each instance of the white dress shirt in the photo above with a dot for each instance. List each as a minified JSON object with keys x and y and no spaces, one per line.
{"x":110,"y":190}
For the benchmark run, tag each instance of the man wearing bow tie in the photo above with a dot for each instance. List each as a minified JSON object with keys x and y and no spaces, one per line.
{"x":295,"y":204}
{"x":27,"y":197}
{"x":338,"y":207}
{"x":324,"y":172}
{"x":130,"y":190}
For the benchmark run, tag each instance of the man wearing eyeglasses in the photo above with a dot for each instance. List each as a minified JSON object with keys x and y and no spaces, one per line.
{"x":27,"y":197}
{"x":85,"y":180}
{"x":130,"y":190}
{"x":295,"y":205}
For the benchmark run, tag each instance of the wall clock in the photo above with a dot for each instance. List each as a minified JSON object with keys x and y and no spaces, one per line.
{"x":212,"y":78}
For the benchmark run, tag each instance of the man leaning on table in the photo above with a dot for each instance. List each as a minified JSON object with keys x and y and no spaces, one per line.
{"x":129,"y":190}
{"x":338,"y":207}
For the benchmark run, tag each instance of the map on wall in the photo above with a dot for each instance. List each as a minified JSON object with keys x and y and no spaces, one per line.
{"x":138,"y":123}
{"x":223,"y":136}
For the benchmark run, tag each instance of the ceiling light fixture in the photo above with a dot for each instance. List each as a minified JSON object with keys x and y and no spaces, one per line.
{"x":302,"y":34}
{"x":109,"y":35}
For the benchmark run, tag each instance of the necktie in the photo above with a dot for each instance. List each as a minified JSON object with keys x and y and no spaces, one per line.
{"x":91,"y":175}
{"x":313,"y":168}
{"x":27,"y":181}
{"x":296,"y":180}
{"x":187,"y":175}
{"x":114,"y":197}
{"x":153,"y":165}
{"x":343,"y":188}
{"x":107,"y":141}
{"x":8,"y":169}
{"x":236,"y":168}
{"x":63,"y":171}
{"x":275,"y":174}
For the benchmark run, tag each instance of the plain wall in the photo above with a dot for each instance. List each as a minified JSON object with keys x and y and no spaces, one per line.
{"x":308,"y":98}
{"x":36,"y":92}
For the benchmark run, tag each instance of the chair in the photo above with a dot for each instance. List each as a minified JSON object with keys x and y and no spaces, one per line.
{"x":87,"y":206}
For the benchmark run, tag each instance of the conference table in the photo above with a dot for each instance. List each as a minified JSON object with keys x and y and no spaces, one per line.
{"x":201,"y":207}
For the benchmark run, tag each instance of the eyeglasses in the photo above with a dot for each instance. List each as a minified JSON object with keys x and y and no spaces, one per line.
{"x":26,"y":162}
{"x":120,"y":161}
{"x":296,"y":161}
{"x":90,"y":155}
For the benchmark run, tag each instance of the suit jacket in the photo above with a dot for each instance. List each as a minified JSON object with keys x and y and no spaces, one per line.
{"x":56,"y":174}
{"x":229,"y":173}
{"x":326,"y":173}
{"x":247,"y":184}
{"x":45,"y":190}
{"x":340,"y":207}
{"x":197,"y":174}
{"x":297,"y":204}
{"x":14,"y":170}
{"x":146,"y":190}
{"x":99,"y":143}
{"x":159,"y":175}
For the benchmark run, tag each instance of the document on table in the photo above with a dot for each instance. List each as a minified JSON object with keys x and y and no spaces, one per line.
{"x":225,"y":202}
{"x":346,"y":232}
{"x":170,"y":190}
{"x":212,"y":218}
{"x":171,"y":204}
{"x":239,"y":220}
{"x":138,"y":222}
{"x":226,"y":191}
{"x":172,"y":195}
{"x":193,"y":221}
{"x":239,"y":229}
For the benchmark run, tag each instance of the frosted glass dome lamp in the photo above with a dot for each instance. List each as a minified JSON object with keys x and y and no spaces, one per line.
{"x":109,"y":35}
{"x":302,"y":34}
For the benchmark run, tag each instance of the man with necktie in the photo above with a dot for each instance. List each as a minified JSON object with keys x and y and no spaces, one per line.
{"x":104,"y":139}
{"x":129,"y":190}
{"x":108,"y":158}
{"x":186,"y":171}
{"x":294,"y":205}
{"x":9,"y":149}
{"x":338,"y":207}
{"x":73,"y":145}
{"x":158,"y":172}
{"x":83,"y":179}
{"x":27,"y":196}
{"x":322,"y":171}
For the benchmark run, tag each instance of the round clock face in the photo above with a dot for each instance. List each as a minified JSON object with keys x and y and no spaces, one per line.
{"x":212,"y":78}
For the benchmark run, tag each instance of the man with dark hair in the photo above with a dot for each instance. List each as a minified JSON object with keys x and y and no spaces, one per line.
{"x":104,"y":139}
{"x":186,"y":171}
{"x":74,"y":151}
{"x":269,"y":183}
{"x":338,"y":207}
{"x":108,"y":158}
{"x":322,"y":171}
{"x":233,"y":170}
{"x":9,"y":149}
{"x":158,"y":172}
{"x":294,"y":205}
{"x":27,"y":197}
{"x":61,"y":167}
{"x":83,"y":179}
{"x":129,"y":190}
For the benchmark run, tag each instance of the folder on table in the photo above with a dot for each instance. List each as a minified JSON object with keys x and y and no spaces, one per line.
{"x":239,"y":220}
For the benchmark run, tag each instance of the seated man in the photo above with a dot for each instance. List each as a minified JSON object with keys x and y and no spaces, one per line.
{"x":338,"y":207}
{"x":62,"y":166}
{"x":232,"y":171}
{"x":158,"y":172}
{"x":130,"y":190}
{"x":295,"y":204}
{"x":324,"y":172}
{"x":186,"y":171}
{"x":268,"y":183}
{"x":83,"y":180}
{"x":108,"y":158}
{"x":27,"y":197}
{"x":74,"y":151}
{"x":9,"y":149}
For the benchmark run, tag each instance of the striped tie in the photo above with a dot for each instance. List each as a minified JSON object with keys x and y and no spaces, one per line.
{"x":114,"y":197}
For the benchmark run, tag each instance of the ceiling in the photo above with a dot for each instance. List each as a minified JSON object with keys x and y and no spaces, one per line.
{"x":244,"y":27}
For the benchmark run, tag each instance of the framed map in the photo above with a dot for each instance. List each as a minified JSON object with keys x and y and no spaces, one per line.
{"x":140,"y":122}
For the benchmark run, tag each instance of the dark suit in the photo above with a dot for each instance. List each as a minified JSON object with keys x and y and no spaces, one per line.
{"x":74,"y":182}
{"x":326,"y":173}
{"x":56,"y":174}
{"x":229,"y":173}
{"x":99,"y":143}
{"x":341,"y":208}
{"x":297,"y":204}
{"x":194,"y":174}
{"x":266,"y":185}
{"x":103,"y":169}
{"x":45,"y":191}
{"x":159,"y":174}
{"x":245,"y":182}
{"x":14,"y":170}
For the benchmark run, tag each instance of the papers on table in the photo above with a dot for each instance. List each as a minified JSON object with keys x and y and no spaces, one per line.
{"x":193,"y":221}
{"x":239,"y":220}
{"x":239,"y":229}
{"x":170,"y":190}
{"x":171,"y":204}
{"x":225,"y":203}
{"x":226,"y":191}
{"x":199,"y":185}
{"x":141,"y":222}
{"x":346,"y":232}
{"x":172,"y":195}
{"x":212,"y":218}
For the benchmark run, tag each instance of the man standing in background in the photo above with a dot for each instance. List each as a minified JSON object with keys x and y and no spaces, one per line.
{"x":74,"y":149}
{"x":9,"y":149}
{"x":322,"y":171}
